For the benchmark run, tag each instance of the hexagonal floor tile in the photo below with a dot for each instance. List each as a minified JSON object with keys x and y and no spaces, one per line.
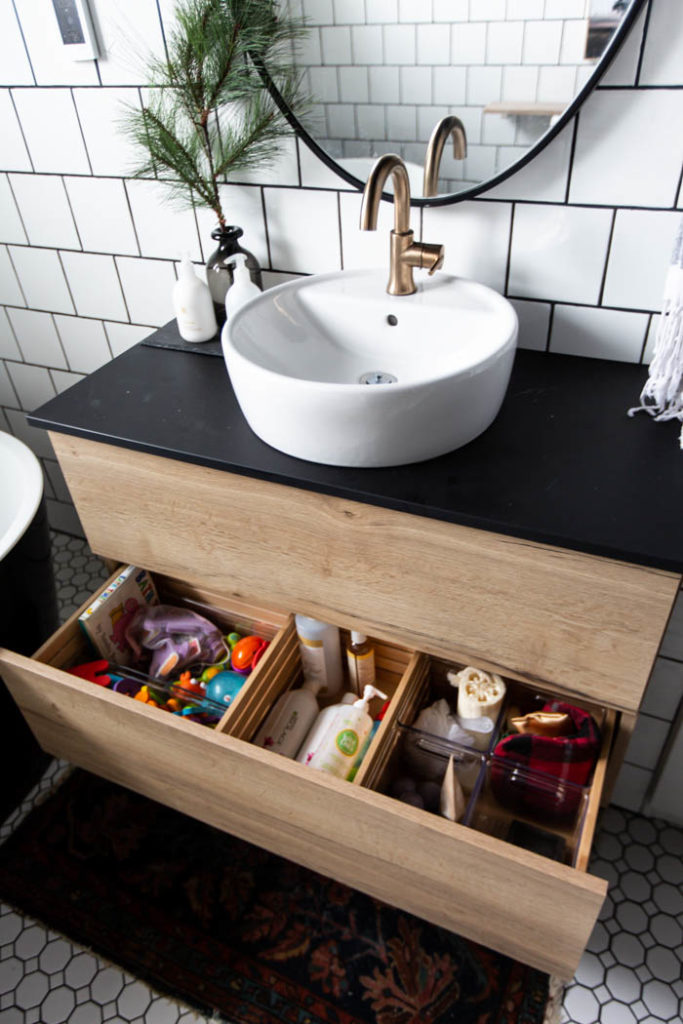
{"x":58,"y":1005}
{"x":581,"y":1005}
{"x":31,"y":941}
{"x":31,"y":990}
{"x":663,"y":964}
{"x":134,"y":1000}
{"x":81,"y":971}
{"x":660,"y":1000}
{"x":56,"y":956}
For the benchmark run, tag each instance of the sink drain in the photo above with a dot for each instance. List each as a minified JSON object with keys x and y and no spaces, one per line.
{"x":377,"y":377}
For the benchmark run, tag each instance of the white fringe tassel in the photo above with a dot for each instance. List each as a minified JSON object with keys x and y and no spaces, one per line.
{"x":662,"y":395}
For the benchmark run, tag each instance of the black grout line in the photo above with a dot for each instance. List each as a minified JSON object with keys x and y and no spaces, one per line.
{"x":11,"y":383}
{"x":21,"y":129}
{"x":643,"y":43}
{"x":21,"y":287}
{"x":339,"y":230}
{"x":19,"y":213}
{"x":607,"y":259}
{"x":265,"y":225}
{"x":59,"y":339}
{"x":80,"y":128}
{"x":73,"y":215}
{"x":123,"y":294}
{"x":132,"y":218}
{"x":645,"y":339}
{"x":572,"y":153}
{"x":551,"y":321}
{"x":508,"y":260}
{"x":23,"y":39}
{"x":66,"y":279}
{"x":679,"y":190}
{"x":163,"y":28}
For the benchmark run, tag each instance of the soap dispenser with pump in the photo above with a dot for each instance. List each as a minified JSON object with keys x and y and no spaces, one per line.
{"x":242,"y":288}
{"x":344,"y":740}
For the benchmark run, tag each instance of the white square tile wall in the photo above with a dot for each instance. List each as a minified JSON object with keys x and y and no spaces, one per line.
{"x":42,"y":279}
{"x":45,"y":210}
{"x":100,"y":209}
{"x":37,"y":337}
{"x":51,"y":130}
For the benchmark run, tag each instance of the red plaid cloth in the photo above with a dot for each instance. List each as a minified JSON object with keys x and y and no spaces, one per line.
{"x":529,"y":772}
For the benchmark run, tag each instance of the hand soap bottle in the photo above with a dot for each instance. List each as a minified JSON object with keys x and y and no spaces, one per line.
{"x":289,"y":720}
{"x":193,"y":305}
{"x":320,"y":649}
{"x":319,"y":728}
{"x":242,"y":288}
{"x":344,"y":739}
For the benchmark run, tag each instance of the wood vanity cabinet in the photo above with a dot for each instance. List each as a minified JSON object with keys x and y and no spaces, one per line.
{"x":548,"y":618}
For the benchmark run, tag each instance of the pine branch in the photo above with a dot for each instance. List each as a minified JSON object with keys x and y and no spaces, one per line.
{"x":210,"y":115}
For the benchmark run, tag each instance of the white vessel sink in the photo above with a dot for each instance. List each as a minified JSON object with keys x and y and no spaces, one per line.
{"x":438,"y":364}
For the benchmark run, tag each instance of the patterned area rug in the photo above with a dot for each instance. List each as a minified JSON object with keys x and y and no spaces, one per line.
{"x":232,"y":929}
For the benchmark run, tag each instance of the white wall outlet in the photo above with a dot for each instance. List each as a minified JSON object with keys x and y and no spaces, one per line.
{"x":76,"y":29}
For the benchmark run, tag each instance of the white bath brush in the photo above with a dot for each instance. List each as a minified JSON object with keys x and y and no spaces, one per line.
{"x":662,"y":395}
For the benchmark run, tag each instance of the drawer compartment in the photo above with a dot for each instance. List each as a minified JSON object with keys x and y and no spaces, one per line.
{"x":395,"y":672}
{"x":502,"y":798}
{"x":447,"y":873}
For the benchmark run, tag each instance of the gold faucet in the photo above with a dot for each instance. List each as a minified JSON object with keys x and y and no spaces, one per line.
{"x":447,"y":126}
{"x":405,"y":254}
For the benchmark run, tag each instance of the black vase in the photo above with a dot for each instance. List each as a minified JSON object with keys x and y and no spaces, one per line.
{"x":219,"y":266}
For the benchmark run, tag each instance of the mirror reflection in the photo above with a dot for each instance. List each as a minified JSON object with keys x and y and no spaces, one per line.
{"x":383,"y":73}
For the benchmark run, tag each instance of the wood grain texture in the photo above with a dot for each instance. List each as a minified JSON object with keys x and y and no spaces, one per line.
{"x":441,"y":871}
{"x":571,"y":622}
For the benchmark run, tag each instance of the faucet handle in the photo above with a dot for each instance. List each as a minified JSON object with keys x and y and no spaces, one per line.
{"x":433,"y":256}
{"x":425,"y":255}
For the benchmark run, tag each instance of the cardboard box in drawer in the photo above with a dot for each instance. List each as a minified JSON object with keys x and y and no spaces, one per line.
{"x":105,"y":621}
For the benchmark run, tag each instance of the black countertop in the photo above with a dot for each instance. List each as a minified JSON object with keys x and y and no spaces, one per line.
{"x":562,"y":464}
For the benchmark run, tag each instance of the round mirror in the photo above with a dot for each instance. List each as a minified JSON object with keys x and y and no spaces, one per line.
{"x":501,"y":77}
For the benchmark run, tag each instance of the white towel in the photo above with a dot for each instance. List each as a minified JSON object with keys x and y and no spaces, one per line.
{"x":662,"y":395}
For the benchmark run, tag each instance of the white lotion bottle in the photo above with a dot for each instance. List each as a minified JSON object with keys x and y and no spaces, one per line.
{"x":193,"y":305}
{"x":289,"y":720}
{"x":242,"y":288}
{"x":319,"y":728}
{"x":344,"y":739}
{"x":320,"y":648}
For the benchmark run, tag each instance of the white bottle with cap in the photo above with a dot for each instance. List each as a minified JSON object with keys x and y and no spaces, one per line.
{"x":320,"y":649}
{"x":242,"y":288}
{"x":289,"y":720}
{"x":319,"y":728}
{"x":344,"y":739}
{"x":193,"y":305}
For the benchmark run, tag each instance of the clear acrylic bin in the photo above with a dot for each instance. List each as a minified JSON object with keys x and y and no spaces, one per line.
{"x":423,"y":759}
{"x":437,"y":687}
{"x":538,"y":812}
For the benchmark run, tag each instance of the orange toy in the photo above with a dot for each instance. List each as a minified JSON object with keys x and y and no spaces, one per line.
{"x":247,"y":653}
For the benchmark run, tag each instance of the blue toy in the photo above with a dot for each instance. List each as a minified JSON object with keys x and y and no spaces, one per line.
{"x":224,"y":687}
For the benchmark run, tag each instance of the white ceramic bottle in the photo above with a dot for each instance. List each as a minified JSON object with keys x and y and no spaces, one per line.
{"x":289,"y":720}
{"x":242,"y":288}
{"x":319,"y":728}
{"x":193,"y":305}
{"x":320,"y":649}
{"x":344,"y":739}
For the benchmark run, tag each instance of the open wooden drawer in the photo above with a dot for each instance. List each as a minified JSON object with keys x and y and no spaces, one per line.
{"x":452,"y":875}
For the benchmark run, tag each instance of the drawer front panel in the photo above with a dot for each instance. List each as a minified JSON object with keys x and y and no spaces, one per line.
{"x":440,"y":871}
{"x":563,"y":620}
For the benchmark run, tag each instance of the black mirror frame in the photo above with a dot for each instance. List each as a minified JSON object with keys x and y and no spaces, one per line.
{"x":608,"y":56}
